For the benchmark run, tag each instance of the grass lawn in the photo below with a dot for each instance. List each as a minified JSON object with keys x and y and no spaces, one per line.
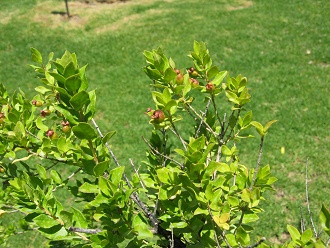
{"x":282,"y":47}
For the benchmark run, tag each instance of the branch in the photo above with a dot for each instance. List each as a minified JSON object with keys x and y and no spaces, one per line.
{"x":160,"y":154}
{"x":203,"y":121}
{"x":307,"y":201}
{"x":263,"y":239}
{"x":203,"y":116}
{"x":258,"y":163}
{"x":83,"y":230}
{"x":134,"y":196}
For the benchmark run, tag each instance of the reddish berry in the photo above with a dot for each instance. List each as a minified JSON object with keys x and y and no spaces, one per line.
{"x":50,"y":133}
{"x":158,"y":116}
{"x":45,"y":112}
{"x":210,"y":87}
{"x":37,"y":103}
{"x":194,"y":82}
{"x":179,"y":78}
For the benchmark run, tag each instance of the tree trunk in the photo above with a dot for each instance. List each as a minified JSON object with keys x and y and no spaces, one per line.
{"x":67,"y":8}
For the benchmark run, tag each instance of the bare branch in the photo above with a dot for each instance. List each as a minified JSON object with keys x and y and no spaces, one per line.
{"x":138,"y":175}
{"x":202,"y":120}
{"x":134,"y":196}
{"x":258,"y":163}
{"x":83,"y":230}
{"x":307,"y":201}
{"x":160,"y":154}
{"x":263,"y":239}
{"x":203,"y":116}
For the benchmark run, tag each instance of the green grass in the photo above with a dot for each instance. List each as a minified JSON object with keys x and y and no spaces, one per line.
{"x":282,"y":47}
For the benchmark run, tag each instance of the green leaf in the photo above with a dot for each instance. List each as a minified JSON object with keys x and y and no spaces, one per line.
{"x":19,"y":130}
{"x":42,"y":89}
{"x":307,"y":236}
{"x":73,"y":83}
{"x":41,"y":125}
{"x":45,"y":221}
{"x":268,"y":125}
{"x":78,"y":218}
{"x":36,"y":55}
{"x":107,"y":137}
{"x":56,"y":176}
{"x":2,"y":213}
{"x":250,"y":218}
{"x":101,"y":167}
{"x":171,"y":106}
{"x":219,"y":77}
{"x":259,"y":127}
{"x":295,"y":234}
{"x":54,"y":233}
{"x":169,"y":74}
{"x":84,"y":131}
{"x":41,"y":171}
{"x":70,"y":116}
{"x":79,"y":100}
{"x":116,"y":175}
{"x":233,"y":201}
{"x":325,"y":219}
{"x":89,"y":188}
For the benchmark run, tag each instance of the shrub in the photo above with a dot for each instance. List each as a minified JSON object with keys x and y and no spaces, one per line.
{"x":193,"y":190}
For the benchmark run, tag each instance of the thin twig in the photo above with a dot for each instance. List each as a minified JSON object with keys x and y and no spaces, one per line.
{"x":215,"y":233}
{"x":83,"y":230}
{"x":258,"y":163}
{"x":307,"y":201}
{"x":164,"y":145}
{"x":263,"y":239}
{"x":134,"y":196}
{"x":67,"y":179}
{"x":138,"y":175}
{"x":160,"y":154}
{"x":202,"y":120}
{"x":215,"y":109}
{"x":203,"y":116}
{"x":302,"y":222}
{"x":178,"y":135}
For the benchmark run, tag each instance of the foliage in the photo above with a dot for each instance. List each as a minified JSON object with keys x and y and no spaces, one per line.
{"x":195,"y":191}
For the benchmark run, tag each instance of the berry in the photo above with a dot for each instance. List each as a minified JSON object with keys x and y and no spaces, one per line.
{"x":66,"y":129}
{"x":158,"y":116}
{"x":179,"y":78}
{"x":210,"y":87}
{"x":2,"y":170}
{"x":50,"y":133}
{"x":177,"y":71}
{"x":194,"y":82}
{"x":37,"y":103}
{"x":45,"y":112}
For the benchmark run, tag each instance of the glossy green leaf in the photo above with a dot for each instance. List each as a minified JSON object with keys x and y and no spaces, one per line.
{"x":89,"y":188}
{"x":73,"y":83}
{"x":324,"y":218}
{"x":79,"y":100}
{"x":101,"y":167}
{"x":306,"y":236}
{"x":41,"y":125}
{"x":36,"y":55}
{"x":268,"y":125}
{"x":45,"y":221}
{"x":78,"y":218}
{"x":19,"y":130}
{"x":84,"y":130}
{"x":108,"y":136}
{"x":56,"y":176}
{"x":41,"y":171}
{"x":116,"y":175}
{"x":295,"y":234}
